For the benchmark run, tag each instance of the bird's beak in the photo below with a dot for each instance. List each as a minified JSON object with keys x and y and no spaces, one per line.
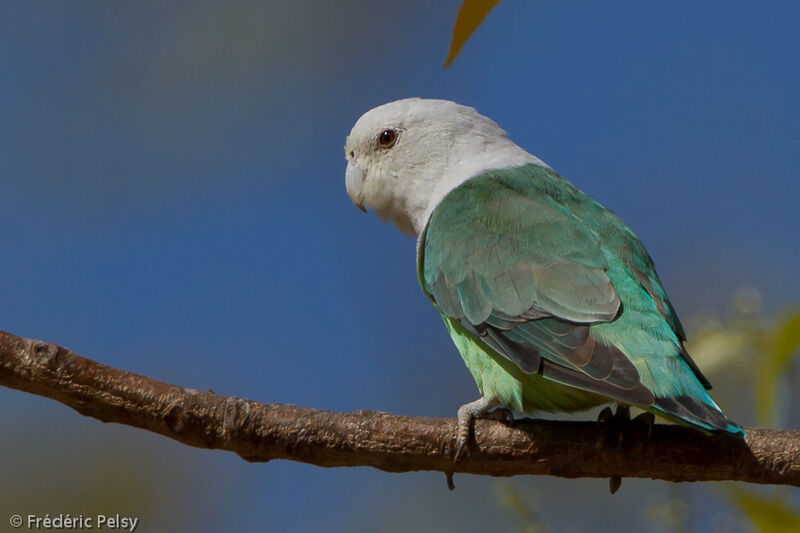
{"x":354,"y":181}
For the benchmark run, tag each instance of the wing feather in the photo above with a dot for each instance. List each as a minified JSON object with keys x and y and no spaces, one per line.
{"x":529,"y":280}
{"x":532,"y":267}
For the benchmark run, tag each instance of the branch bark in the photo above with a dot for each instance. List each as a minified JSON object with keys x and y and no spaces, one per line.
{"x":262,"y":432}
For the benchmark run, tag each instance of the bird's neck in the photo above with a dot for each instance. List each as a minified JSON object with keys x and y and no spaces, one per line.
{"x":496,"y":154}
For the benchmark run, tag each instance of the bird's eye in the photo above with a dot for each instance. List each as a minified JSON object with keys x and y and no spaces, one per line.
{"x":387,"y":138}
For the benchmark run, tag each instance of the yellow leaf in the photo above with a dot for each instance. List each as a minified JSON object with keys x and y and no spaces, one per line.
{"x":784,"y":342}
{"x":768,"y":515}
{"x":470,"y":15}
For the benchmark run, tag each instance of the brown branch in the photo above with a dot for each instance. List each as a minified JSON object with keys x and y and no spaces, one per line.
{"x":261,"y":432}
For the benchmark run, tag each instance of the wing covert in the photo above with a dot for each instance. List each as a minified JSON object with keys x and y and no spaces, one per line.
{"x":504,"y":256}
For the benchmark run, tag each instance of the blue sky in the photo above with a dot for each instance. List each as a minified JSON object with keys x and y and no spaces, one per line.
{"x":174,"y":204}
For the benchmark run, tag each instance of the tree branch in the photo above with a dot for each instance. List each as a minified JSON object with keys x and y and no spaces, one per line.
{"x":262,"y":432}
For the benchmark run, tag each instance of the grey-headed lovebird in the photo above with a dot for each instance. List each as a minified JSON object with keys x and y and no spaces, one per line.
{"x":552,"y":301}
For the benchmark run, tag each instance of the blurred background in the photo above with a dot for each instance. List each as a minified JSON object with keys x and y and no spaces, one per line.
{"x":173,"y":203}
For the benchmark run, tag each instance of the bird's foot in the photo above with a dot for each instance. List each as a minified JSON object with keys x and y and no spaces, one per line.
{"x":646,"y":420}
{"x":621,"y":420}
{"x":622,"y":414}
{"x":617,"y":428}
{"x":613,"y":424}
{"x":467,"y":413}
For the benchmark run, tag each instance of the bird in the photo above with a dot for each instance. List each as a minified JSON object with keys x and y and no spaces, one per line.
{"x":552,"y":300}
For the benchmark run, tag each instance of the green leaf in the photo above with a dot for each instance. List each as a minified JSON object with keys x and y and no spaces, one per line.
{"x":470,"y":15}
{"x":768,"y":515}
{"x":783,"y":343}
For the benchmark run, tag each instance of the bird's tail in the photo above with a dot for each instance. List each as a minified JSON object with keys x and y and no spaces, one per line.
{"x":688,"y":403}
{"x":701,"y":413}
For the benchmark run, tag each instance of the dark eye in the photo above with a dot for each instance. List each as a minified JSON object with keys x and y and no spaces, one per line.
{"x":387,"y":138}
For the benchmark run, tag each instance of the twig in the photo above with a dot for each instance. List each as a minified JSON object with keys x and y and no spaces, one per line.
{"x":262,"y":432}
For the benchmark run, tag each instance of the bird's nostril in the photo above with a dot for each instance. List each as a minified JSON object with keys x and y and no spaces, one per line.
{"x":352,"y":154}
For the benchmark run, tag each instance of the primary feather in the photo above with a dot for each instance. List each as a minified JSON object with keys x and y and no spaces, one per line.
{"x":552,"y":301}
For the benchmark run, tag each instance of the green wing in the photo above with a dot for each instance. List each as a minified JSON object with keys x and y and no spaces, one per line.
{"x":553,"y":281}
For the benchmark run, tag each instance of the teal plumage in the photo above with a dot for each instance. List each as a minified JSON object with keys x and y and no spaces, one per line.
{"x":554,"y":303}
{"x":551,"y":299}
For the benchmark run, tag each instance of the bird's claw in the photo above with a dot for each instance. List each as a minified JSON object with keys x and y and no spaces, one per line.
{"x":648,"y":420}
{"x":604,"y":417}
{"x":612,"y":425}
{"x":466,"y":415}
{"x":450,"y":483}
{"x":461,"y":447}
{"x":619,"y":429}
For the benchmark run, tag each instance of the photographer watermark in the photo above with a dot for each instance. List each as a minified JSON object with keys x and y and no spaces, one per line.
{"x":66,"y":521}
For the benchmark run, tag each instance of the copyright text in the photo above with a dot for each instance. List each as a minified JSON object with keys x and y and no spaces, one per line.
{"x":67,"y":521}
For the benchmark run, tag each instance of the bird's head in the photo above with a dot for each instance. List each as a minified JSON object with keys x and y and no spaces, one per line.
{"x":404,"y":156}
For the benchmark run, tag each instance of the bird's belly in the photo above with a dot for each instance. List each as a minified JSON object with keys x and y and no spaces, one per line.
{"x":540,"y":394}
{"x":500,"y":379}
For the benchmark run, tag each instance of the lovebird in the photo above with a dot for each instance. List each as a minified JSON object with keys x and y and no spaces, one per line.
{"x":552,"y":301}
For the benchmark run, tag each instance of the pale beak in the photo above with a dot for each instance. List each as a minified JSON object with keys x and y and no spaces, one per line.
{"x":354,"y":181}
